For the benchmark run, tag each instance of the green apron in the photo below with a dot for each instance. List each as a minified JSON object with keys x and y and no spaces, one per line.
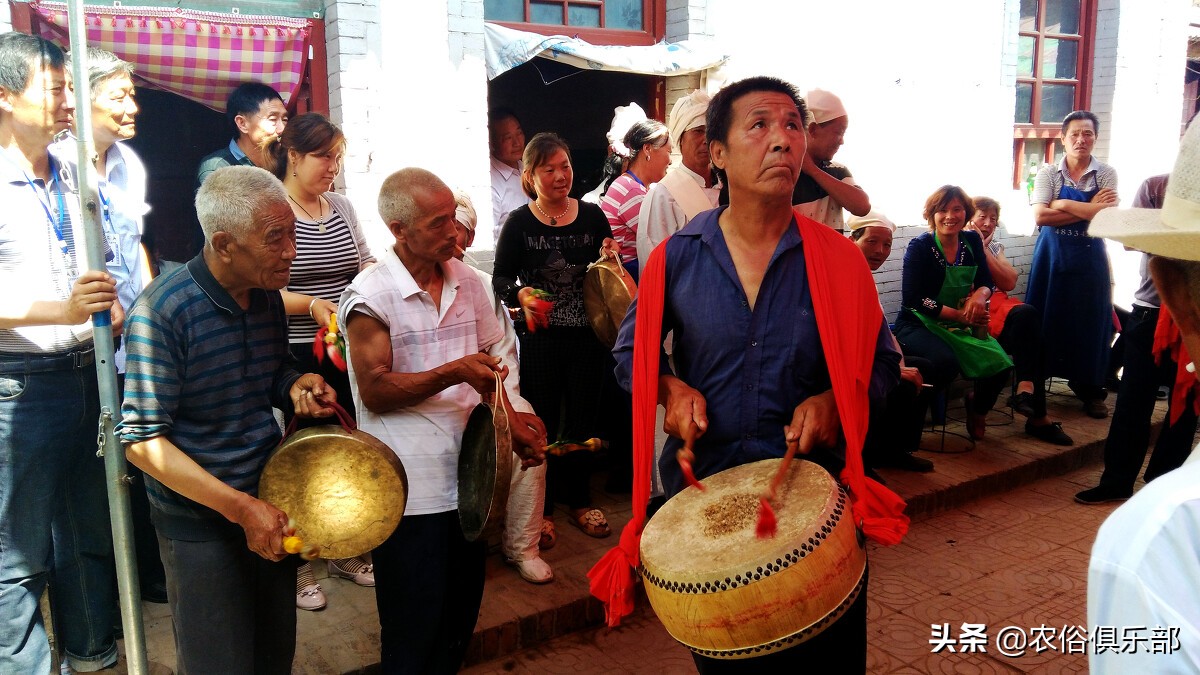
{"x":977,"y":358}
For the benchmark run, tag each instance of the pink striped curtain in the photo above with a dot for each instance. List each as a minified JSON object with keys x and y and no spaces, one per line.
{"x":201,"y":56}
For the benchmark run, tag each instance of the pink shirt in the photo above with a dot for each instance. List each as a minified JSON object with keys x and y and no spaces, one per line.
{"x":622,"y":204}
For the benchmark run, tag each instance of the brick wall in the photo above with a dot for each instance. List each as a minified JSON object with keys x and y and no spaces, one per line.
{"x":1018,"y":250}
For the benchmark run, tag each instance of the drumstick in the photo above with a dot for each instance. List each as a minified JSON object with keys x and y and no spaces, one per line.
{"x":766,"y":515}
{"x":685,"y":456}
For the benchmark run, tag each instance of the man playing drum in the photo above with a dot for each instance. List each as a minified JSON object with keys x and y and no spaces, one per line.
{"x":755,"y":364}
{"x":424,"y":344}
{"x":207,"y":360}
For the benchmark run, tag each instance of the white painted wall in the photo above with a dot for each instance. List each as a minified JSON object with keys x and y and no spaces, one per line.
{"x":5,"y":18}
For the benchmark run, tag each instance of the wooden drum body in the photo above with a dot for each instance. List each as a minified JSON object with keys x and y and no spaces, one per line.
{"x":723,"y":592}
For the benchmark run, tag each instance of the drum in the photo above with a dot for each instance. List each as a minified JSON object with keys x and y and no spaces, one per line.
{"x":345,"y":489}
{"x":723,"y":592}
{"x":608,"y":289}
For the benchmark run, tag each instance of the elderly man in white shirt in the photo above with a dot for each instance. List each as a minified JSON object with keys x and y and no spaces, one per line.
{"x":688,"y":188}
{"x":424,"y":345}
{"x":1143,"y":595}
{"x":507,"y":141}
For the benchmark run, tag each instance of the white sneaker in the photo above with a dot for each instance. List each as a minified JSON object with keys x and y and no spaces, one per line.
{"x":354,"y":569}
{"x":534,"y":570}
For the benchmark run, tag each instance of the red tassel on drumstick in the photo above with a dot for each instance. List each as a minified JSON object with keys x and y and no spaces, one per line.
{"x":686,"y":456}
{"x":766,"y":515}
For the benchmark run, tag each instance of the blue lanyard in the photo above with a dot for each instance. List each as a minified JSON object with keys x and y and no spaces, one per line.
{"x":634,"y":176}
{"x":56,"y":223}
{"x":105,"y":210}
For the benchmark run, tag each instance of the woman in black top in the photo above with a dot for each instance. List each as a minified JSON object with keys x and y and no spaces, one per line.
{"x":547,"y":245}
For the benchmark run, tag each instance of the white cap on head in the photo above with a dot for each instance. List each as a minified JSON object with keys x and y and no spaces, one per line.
{"x":624,"y":117}
{"x":824,"y":106}
{"x":464,"y":212}
{"x":872,"y":219}
{"x":1173,"y":231}
{"x":688,"y":113}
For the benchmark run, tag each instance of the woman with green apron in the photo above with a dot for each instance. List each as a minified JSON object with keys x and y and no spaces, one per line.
{"x":946,"y":286}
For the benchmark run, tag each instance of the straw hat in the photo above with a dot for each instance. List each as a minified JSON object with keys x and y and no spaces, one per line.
{"x":1173,"y":231}
{"x":872,"y":219}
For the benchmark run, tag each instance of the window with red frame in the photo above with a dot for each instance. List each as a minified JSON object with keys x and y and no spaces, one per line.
{"x":609,"y":22}
{"x":1054,"y":61}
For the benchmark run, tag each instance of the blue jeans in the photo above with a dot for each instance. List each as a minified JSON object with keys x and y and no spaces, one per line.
{"x":53,"y":516}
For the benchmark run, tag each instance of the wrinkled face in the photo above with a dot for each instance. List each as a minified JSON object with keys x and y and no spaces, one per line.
{"x":876,"y":245}
{"x":657,"y":161}
{"x":693,"y":150}
{"x":114,"y":111}
{"x":949,"y":219}
{"x":1079,"y":139}
{"x":824,"y":140}
{"x":46,"y":107}
{"x":765,"y":145}
{"x":552,"y":180}
{"x":264,"y":259}
{"x":269,"y":121}
{"x":433,"y":235}
{"x":507,"y":141}
{"x":316,"y":171}
{"x":985,"y":221}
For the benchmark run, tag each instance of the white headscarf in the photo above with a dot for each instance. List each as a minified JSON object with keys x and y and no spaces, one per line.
{"x":624,"y":117}
{"x":688,"y":113}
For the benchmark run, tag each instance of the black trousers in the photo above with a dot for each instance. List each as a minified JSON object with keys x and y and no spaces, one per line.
{"x":896,"y":424}
{"x":841,"y":649}
{"x":1129,"y":433}
{"x":338,"y":379}
{"x":562,"y":375}
{"x":428,"y":588}
{"x":1022,"y":338}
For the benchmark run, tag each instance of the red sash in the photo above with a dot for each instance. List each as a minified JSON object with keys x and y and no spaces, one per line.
{"x":848,"y":319}
{"x":1169,"y":341}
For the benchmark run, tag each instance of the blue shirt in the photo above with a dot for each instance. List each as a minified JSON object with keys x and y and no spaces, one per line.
{"x":752,"y":367}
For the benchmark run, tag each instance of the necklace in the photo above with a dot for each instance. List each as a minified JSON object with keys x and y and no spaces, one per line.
{"x":320,"y":206}
{"x":553,"y":219}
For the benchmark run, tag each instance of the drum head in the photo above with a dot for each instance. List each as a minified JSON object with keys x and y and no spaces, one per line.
{"x":346,"y":490}
{"x":607,"y":291}
{"x":484,"y":475}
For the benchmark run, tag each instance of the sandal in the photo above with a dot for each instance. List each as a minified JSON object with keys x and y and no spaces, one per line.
{"x":592,"y":522}
{"x":549,"y":536}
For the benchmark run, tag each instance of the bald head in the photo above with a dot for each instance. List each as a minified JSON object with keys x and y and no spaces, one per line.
{"x":401,"y":191}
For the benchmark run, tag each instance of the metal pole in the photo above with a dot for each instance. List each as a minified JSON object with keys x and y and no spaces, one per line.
{"x":114,"y":456}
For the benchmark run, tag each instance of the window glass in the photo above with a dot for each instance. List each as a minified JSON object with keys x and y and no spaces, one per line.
{"x":623,"y":14}
{"x":1024,"y":114}
{"x":1062,"y":16}
{"x":1057,"y":101}
{"x":1029,"y":10}
{"x":546,"y":12}
{"x":1026,"y":47}
{"x":584,"y":15}
{"x":504,"y":10}
{"x":1059,"y":58}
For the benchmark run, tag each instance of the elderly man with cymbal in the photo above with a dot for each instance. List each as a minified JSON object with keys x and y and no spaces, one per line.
{"x":424,"y":345}
{"x":787,"y":349}
{"x":207,"y":360}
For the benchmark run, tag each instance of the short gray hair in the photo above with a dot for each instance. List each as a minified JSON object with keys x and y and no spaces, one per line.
{"x":102,"y":65}
{"x":396,"y":200}
{"x":234,"y":197}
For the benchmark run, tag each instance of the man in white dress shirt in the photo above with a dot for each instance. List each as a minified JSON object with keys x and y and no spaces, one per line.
{"x":507,"y":143}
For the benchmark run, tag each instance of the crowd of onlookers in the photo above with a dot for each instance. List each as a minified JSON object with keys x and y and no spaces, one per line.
{"x":956,"y":321}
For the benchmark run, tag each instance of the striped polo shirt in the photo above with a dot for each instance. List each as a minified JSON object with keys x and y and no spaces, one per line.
{"x":205,"y":373}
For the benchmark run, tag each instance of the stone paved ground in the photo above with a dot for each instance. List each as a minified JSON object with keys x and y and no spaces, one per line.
{"x":994,"y":540}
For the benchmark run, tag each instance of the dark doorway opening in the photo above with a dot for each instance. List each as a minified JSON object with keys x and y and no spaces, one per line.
{"x":578,"y":106}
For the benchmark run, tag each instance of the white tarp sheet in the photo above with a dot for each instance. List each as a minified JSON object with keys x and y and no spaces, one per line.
{"x":507,"y":48}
